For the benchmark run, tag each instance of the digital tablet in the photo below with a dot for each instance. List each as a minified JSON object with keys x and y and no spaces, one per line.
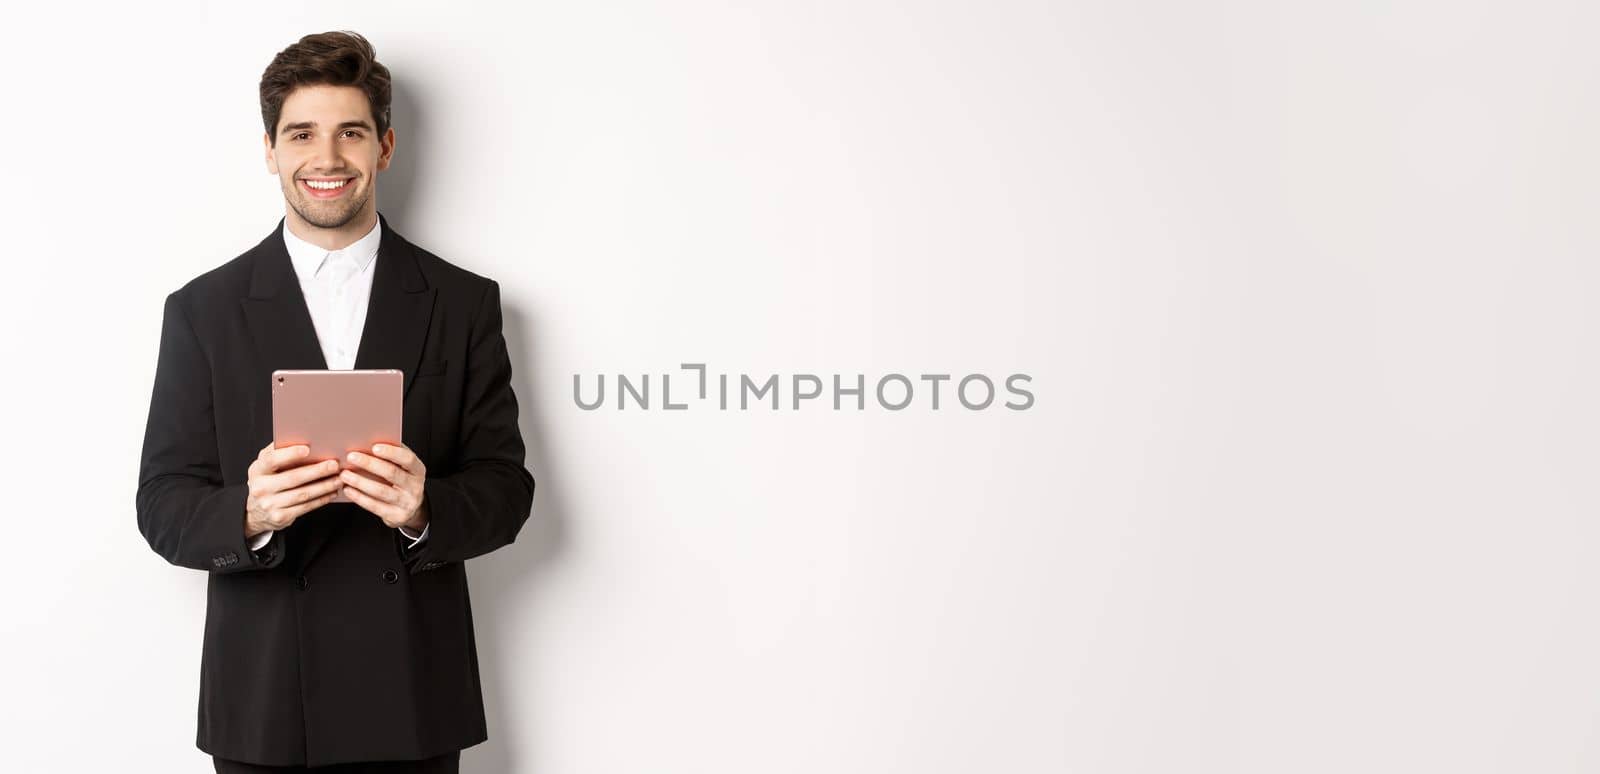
{"x":336,"y":412}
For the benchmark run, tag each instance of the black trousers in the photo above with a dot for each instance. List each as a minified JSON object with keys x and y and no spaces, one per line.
{"x":449,"y":763}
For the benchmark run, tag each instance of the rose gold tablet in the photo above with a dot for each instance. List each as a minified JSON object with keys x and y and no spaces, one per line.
{"x":336,"y":412}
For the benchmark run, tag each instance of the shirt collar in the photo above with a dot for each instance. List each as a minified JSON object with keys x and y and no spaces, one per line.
{"x":308,"y":258}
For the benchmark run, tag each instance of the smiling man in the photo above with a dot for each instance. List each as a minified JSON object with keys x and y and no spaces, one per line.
{"x":337,"y":634}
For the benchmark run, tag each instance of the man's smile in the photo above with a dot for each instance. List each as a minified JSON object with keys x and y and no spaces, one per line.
{"x":325,"y":187}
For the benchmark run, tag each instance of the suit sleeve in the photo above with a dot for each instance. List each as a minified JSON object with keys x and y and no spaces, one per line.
{"x":482,"y":505}
{"x":186,"y":513}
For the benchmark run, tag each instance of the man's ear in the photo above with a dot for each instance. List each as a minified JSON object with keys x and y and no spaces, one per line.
{"x":386,"y":149}
{"x":272,"y":158}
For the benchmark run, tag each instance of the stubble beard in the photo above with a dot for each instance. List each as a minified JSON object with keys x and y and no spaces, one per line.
{"x":334,"y":213}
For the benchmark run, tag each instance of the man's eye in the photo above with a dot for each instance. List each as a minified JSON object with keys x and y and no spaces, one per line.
{"x":298,"y":136}
{"x":352,"y":131}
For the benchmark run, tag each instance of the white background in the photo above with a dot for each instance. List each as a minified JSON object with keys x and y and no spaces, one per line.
{"x":1305,"y":291}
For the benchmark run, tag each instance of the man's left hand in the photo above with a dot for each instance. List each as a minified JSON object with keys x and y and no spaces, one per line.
{"x":397,"y":499}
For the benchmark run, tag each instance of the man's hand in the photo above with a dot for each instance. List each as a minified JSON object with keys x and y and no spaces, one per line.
{"x":397,"y":499}
{"x":280,"y":492}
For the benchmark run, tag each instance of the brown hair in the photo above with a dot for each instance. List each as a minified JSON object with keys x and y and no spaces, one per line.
{"x":326,"y":58}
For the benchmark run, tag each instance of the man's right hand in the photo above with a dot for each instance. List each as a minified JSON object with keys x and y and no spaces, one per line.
{"x":281,"y":489}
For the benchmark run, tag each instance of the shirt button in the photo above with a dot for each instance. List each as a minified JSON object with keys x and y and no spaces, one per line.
{"x":390,"y":576}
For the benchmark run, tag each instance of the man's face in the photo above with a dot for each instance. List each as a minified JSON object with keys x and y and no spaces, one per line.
{"x":328,"y":154}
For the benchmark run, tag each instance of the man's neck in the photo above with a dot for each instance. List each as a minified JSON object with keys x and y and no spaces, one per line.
{"x":331,"y":238}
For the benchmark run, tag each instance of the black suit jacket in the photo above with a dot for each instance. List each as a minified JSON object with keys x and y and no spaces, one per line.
{"x":335,"y":643}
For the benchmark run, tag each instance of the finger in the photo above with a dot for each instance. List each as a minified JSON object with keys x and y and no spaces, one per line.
{"x":295,"y":511}
{"x":400,"y":455}
{"x":377,"y":490}
{"x":278,"y":459}
{"x":373,"y":505}
{"x":279,"y":503}
{"x":387,"y":470}
{"x":298,"y":476}
{"x":317,"y":488}
{"x":258,"y":465}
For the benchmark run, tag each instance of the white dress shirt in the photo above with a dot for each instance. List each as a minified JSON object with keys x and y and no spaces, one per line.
{"x":337,"y":285}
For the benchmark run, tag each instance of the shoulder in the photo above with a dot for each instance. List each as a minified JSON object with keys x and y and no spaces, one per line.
{"x":457,"y":285}
{"x":447,"y":276}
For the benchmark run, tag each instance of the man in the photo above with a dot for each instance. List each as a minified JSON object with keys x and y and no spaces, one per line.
{"x":336,"y":632}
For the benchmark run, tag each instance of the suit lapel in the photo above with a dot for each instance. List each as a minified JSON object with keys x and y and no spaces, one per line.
{"x":280,"y":321}
{"x":398,"y":314}
{"x":398,"y":311}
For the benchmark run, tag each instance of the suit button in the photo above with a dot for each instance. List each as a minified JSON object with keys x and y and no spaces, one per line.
{"x":301,"y":583}
{"x":390,"y":576}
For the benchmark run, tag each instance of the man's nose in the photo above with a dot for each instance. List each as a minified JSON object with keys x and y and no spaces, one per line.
{"x":327,"y":156}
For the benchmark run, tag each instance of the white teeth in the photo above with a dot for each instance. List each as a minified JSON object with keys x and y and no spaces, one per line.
{"x":325,"y":186}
